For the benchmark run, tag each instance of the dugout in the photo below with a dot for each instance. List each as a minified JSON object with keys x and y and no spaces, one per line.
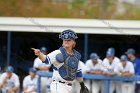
{"x":18,"y":35}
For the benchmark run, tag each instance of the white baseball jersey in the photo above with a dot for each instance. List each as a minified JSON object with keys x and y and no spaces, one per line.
{"x":38,"y":62}
{"x":126,"y":87}
{"x":51,"y":57}
{"x":29,"y":83}
{"x":110,"y":67}
{"x":91,"y":66}
{"x":10,"y":82}
{"x":128,"y":68}
{"x":95,"y":85}
{"x":83,"y":66}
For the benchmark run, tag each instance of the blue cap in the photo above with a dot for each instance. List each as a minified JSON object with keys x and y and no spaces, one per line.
{"x":123,"y":58}
{"x":32,"y":69}
{"x":94,"y":56}
{"x":43,"y":49}
{"x":111,"y":49}
{"x":10,"y":69}
{"x":130,"y":51}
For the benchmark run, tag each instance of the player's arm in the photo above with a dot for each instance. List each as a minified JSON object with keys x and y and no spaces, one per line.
{"x":3,"y":80}
{"x":31,"y":91}
{"x":24,"y":89}
{"x":128,"y":74}
{"x":38,"y":53}
{"x":95,"y":71}
{"x":45,"y":67}
{"x":79,"y":78}
{"x":16,"y":87}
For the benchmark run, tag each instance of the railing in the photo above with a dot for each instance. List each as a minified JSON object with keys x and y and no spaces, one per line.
{"x":91,"y":77}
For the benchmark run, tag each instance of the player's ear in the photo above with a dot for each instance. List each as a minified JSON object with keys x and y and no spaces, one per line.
{"x":74,"y":44}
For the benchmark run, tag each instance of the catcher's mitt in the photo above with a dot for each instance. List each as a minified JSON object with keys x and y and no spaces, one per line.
{"x":83,"y":89}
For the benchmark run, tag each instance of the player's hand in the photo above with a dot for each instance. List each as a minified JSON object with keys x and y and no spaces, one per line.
{"x":36,"y":51}
{"x":10,"y":90}
{"x":5,"y":78}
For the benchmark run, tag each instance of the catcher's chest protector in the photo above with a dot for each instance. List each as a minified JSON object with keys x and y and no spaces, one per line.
{"x":69,"y":69}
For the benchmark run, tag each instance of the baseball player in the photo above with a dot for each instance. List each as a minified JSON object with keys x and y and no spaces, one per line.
{"x":30,"y":82}
{"x":94,"y":67}
{"x":76,"y":86}
{"x":38,"y":64}
{"x":66,"y":64}
{"x":131,"y":54}
{"x":109,"y":64}
{"x":9,"y":81}
{"x":125,"y":68}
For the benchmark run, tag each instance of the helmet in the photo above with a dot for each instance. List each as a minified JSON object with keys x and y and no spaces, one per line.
{"x":10,"y":69}
{"x":68,"y":35}
{"x":94,"y":56}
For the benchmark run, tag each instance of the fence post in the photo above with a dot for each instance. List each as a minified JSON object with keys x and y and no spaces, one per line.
{"x":85,"y":47}
{"x":107,"y":85}
{"x":39,"y":84}
{"x":8,"y":47}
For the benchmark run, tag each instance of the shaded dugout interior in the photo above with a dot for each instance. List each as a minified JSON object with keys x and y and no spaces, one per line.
{"x":22,"y":56}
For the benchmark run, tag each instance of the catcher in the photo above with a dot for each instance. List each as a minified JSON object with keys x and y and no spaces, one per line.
{"x":65,"y":61}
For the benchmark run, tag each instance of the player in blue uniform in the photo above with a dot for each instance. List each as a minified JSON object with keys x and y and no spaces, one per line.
{"x":136,"y":61}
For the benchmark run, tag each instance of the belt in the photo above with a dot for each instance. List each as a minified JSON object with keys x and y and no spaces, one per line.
{"x":69,"y":84}
{"x":127,"y":81}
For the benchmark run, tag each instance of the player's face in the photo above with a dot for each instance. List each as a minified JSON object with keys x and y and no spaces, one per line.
{"x":68,"y":43}
{"x":94,"y":61}
{"x":9,"y":74}
{"x":123,"y":63}
{"x":32,"y":74}
{"x":110,"y":58}
{"x":129,"y":55}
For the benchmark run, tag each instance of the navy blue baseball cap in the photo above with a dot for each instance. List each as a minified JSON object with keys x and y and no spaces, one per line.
{"x":94,"y":56}
{"x":130,"y":51}
{"x":110,"y":52}
{"x":123,"y":58}
{"x":43,"y":49}
{"x":10,"y":69}
{"x":32,"y":69}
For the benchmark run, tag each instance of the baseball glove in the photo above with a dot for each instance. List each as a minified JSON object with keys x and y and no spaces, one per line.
{"x":83,"y":89}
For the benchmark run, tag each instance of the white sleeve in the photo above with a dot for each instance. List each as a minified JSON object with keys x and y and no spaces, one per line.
{"x":131,"y":68}
{"x":88,"y":65}
{"x":83,"y":66}
{"x":100,"y":65}
{"x":17,"y":80}
{"x":37,"y":62}
{"x":117,"y":68}
{"x":104,"y":65}
{"x":51,"y":57}
{"x":25,"y":82}
{"x":79,"y":68}
{"x":2,"y":77}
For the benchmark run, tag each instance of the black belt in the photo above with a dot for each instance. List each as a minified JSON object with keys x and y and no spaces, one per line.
{"x":127,"y":81}
{"x":64,"y":83}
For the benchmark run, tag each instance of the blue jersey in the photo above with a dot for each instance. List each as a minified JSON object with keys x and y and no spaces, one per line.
{"x":136,"y":63}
